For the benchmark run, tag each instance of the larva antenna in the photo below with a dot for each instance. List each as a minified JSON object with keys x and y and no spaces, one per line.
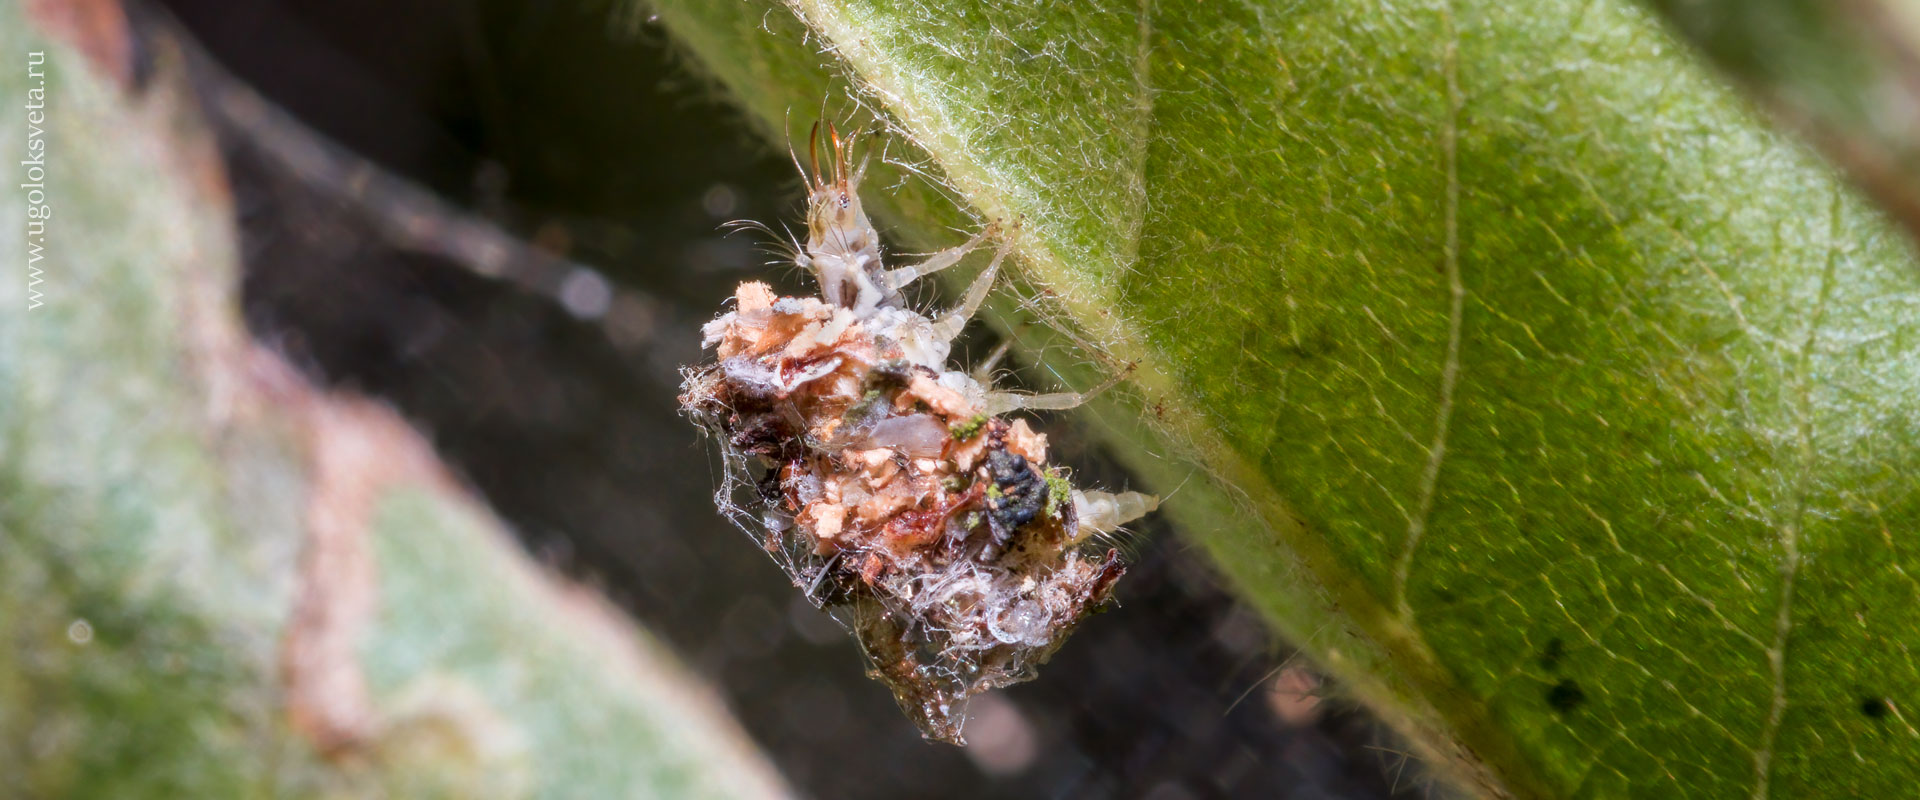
{"x":804,"y":177}
{"x":795,"y":157}
{"x":822,"y":112}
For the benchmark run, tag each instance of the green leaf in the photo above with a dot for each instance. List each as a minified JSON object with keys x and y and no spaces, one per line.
{"x":160,"y":485}
{"x":1548,"y":399}
{"x":1847,"y":75}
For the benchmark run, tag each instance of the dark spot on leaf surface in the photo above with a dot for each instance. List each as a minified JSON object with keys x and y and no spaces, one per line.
{"x":1874,"y":707}
{"x":1565,"y":696}
{"x":1550,"y":656}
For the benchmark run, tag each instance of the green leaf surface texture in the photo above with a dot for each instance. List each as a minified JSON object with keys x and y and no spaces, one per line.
{"x":1507,"y":361}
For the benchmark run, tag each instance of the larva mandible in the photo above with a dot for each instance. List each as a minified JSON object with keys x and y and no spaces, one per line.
{"x":890,"y":487}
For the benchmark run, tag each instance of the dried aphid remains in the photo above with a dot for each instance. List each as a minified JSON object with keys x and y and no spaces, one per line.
{"x":891,"y":488}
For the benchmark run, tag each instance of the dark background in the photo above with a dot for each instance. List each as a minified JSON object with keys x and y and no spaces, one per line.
{"x":575,"y":129}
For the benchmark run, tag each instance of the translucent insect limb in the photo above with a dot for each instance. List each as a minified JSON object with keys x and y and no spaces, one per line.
{"x":900,"y":278}
{"x":948,"y":326}
{"x":996,"y":403}
{"x":1105,"y":512}
{"x":982,"y":373}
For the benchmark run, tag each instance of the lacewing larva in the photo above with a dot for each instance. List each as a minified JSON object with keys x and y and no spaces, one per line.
{"x":889,"y":487}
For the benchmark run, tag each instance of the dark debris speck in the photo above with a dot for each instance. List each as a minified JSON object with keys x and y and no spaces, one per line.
{"x":1874,"y":707}
{"x":1566,"y":696}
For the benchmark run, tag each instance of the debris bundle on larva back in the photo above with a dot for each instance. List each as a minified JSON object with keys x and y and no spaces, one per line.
{"x":890,"y":487}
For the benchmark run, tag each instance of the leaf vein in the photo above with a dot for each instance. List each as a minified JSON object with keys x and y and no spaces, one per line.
{"x":1456,"y":310}
{"x":1790,"y":532}
{"x":1142,"y":128}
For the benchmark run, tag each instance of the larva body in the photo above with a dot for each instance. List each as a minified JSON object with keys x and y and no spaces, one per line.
{"x":890,"y":486}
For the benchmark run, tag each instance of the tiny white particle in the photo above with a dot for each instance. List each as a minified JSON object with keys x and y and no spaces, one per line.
{"x":80,"y":632}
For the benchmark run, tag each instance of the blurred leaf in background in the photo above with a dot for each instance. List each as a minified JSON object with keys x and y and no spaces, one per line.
{"x":219,"y":581}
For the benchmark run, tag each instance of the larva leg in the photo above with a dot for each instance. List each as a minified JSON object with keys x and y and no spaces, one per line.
{"x":899,"y":278}
{"x":1105,"y":512}
{"x":982,"y":373}
{"x":998,"y":403}
{"x":948,"y":326}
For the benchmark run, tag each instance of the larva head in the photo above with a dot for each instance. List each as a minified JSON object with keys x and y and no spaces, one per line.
{"x":836,"y":225}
